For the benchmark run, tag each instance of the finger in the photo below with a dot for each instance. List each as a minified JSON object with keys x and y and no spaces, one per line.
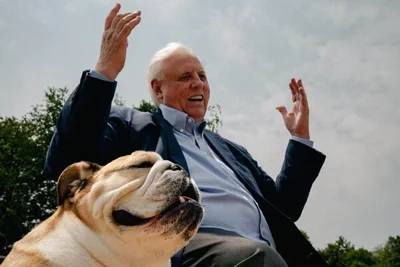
{"x":303,"y":97}
{"x":302,"y":92}
{"x":126,"y":19}
{"x":117,"y":19}
{"x":127,"y":29}
{"x":294,"y":83}
{"x":112,"y":15}
{"x":282,"y":110}
{"x":295,"y":87}
{"x":294,"y":92}
{"x":300,"y":83}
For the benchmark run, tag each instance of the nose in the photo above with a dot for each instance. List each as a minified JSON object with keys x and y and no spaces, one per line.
{"x":197,"y":83}
{"x":175,"y":167}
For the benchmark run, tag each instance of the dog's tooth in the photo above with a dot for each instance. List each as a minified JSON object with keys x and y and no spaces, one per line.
{"x":181,"y":199}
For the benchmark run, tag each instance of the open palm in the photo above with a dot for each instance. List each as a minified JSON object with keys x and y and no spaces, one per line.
{"x":297,"y":120}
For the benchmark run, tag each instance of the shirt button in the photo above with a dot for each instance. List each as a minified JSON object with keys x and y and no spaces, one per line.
{"x":181,"y":130}
{"x":190,"y":120}
{"x":205,"y":153}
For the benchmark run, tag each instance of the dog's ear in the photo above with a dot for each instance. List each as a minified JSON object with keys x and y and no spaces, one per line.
{"x":73,"y":177}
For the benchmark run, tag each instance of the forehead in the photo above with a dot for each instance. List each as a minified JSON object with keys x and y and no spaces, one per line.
{"x":181,"y":62}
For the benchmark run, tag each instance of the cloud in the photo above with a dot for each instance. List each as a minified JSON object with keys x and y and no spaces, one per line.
{"x":347,"y":53}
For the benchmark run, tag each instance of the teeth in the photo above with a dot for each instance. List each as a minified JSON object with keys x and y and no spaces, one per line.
{"x":181,"y":199}
{"x":198,"y":97}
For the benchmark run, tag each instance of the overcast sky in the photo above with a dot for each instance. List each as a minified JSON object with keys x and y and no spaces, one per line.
{"x":346,"y":52}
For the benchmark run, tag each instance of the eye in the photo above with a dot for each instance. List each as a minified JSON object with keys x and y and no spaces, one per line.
{"x":202,"y":76}
{"x":184,"y":77}
{"x":142,"y":165}
{"x":145,"y":164}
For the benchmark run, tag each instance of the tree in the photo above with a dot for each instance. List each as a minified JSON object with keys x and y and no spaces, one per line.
{"x":389,"y":254}
{"x":305,"y":235}
{"x":26,"y":198}
{"x":343,"y":253}
{"x":336,"y":254}
{"x":360,"y":258}
{"x":145,"y":106}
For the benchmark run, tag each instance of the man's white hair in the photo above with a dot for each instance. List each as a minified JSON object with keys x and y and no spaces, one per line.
{"x":155,"y":69}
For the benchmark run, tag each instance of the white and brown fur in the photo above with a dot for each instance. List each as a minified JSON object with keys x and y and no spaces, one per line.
{"x":83,"y":231}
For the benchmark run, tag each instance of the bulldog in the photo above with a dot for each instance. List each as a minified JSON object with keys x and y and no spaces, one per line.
{"x":137,"y":210}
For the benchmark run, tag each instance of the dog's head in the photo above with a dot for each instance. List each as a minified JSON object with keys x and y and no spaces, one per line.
{"x":137,"y":200}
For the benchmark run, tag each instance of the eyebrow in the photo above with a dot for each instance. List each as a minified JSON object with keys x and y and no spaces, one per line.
{"x":185,"y":73}
{"x":190,"y":73}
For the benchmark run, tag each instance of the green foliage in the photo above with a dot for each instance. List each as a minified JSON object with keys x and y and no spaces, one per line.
{"x":360,"y":258}
{"x":26,"y":198}
{"x":305,"y":235}
{"x":389,"y":254}
{"x":343,"y":254}
{"x":336,"y":253}
{"x":146,"y":106}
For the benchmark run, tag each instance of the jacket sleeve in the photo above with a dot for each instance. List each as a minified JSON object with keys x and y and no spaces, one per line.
{"x":84,"y":129}
{"x":290,"y":191}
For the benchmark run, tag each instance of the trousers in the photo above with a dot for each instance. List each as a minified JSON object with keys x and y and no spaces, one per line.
{"x":219,"y":248}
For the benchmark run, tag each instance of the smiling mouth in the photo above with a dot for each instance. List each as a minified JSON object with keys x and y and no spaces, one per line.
{"x":197,"y":98}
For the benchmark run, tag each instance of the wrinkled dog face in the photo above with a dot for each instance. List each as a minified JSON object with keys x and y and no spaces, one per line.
{"x":140,"y":198}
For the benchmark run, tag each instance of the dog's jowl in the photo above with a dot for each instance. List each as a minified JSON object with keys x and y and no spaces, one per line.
{"x":135,"y":211}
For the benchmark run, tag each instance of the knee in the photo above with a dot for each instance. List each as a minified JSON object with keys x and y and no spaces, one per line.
{"x":253,"y":253}
{"x":251,"y":247}
{"x":241,"y":248}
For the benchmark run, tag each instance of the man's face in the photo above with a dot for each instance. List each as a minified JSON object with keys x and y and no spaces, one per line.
{"x":184,"y":85}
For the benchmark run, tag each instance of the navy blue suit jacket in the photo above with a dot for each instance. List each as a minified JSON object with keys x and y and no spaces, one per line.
{"x":90,"y":128}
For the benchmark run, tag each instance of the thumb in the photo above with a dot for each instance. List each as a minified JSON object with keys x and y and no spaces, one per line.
{"x":282,"y":110}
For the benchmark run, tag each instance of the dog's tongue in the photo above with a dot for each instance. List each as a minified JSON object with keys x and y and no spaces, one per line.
{"x":184,"y":198}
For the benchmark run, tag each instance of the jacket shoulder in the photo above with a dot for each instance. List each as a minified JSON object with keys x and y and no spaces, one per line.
{"x":130,"y":116}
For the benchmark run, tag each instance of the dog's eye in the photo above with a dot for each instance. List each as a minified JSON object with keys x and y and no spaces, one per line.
{"x":145,"y":164}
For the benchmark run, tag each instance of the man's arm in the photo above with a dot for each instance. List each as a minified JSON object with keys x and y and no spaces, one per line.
{"x":84,"y":129}
{"x":300,"y":168}
{"x":301,"y":165}
{"x":290,"y":191}
{"x":81,"y":127}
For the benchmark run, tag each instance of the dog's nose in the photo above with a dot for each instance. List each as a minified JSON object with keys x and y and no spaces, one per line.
{"x":175,"y":167}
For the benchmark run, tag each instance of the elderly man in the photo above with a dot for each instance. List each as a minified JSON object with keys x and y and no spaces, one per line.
{"x":249,"y":219}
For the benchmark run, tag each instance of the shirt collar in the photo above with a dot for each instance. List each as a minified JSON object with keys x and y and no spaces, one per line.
{"x":182,"y":121}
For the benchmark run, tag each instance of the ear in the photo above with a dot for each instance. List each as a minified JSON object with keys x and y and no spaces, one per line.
{"x":73,"y":177}
{"x":156,"y":87}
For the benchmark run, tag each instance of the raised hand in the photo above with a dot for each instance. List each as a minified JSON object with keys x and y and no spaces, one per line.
{"x":297,"y":120}
{"x":115,"y":41}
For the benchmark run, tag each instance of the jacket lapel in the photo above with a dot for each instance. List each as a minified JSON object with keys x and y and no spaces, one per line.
{"x":167,"y":145}
{"x":219,"y":146}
